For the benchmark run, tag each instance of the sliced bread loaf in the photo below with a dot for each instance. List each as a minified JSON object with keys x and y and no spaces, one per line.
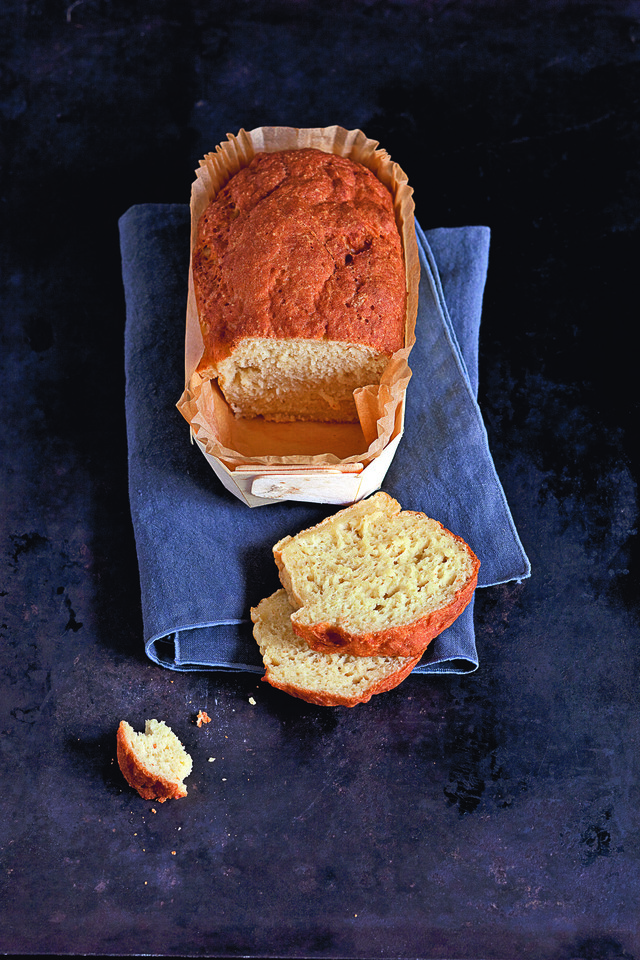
{"x":327,"y":679}
{"x":299,"y":276}
{"x":374,"y":579}
{"x":154,"y":762}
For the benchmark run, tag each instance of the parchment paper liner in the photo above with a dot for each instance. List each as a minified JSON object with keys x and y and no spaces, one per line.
{"x":240,"y":442}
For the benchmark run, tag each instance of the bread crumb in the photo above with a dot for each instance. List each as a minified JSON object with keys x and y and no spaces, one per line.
{"x":203,"y":717}
{"x":211,"y":759}
{"x":252,"y":701}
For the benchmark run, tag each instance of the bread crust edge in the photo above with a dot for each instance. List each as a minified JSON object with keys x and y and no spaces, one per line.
{"x":404,"y":640}
{"x":334,"y":700}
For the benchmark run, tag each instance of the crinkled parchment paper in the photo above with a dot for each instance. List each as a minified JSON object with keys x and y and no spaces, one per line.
{"x":241,"y":442}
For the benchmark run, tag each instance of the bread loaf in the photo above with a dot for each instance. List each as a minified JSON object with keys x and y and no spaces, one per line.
{"x":375,"y":580}
{"x":154,"y":762}
{"x":326,"y":679}
{"x":300,"y":286}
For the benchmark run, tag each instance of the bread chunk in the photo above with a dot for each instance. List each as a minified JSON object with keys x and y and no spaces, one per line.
{"x":374,"y":579}
{"x":154,"y":762}
{"x":326,"y":679}
{"x":300,"y":285}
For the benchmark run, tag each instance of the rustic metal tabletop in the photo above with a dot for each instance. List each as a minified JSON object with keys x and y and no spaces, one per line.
{"x":492,"y":815}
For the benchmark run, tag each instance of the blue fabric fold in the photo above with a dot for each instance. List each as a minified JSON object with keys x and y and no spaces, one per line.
{"x":204,"y":557}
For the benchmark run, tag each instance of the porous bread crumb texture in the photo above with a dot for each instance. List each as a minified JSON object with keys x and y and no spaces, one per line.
{"x":326,"y":679}
{"x":283,"y":380}
{"x":300,"y":245}
{"x":154,"y":762}
{"x":376,"y":579}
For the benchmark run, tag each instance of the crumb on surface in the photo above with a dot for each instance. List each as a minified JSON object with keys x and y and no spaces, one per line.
{"x":203,"y":717}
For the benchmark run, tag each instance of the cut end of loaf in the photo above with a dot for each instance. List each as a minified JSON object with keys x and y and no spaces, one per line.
{"x":376,"y":579}
{"x":298,"y":379}
{"x":325,"y":679}
{"x":154,"y":762}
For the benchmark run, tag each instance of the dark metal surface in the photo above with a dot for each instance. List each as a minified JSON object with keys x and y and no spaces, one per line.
{"x":493,"y":816}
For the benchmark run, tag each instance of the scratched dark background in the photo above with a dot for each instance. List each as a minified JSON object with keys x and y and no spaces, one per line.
{"x":491,"y":816}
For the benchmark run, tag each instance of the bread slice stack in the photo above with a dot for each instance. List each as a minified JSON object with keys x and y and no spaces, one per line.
{"x":364,"y":593}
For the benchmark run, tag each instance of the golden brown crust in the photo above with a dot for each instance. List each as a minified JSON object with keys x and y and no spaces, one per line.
{"x":326,"y":699}
{"x":302,"y":244}
{"x":148,"y":785}
{"x":408,"y":640}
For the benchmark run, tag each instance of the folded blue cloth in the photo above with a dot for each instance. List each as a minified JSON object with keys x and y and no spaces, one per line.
{"x":204,"y":556}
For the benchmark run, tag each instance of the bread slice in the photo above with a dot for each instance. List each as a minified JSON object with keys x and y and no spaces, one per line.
{"x":326,"y":679}
{"x":154,"y":762}
{"x":376,"y":580}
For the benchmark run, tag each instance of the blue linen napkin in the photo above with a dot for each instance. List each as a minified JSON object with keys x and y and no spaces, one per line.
{"x":205,"y":557}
